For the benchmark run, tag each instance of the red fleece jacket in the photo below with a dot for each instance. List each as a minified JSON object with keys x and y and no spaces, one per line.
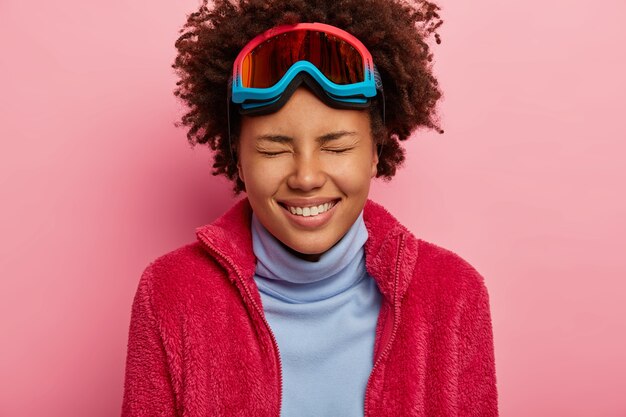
{"x":199,"y":343}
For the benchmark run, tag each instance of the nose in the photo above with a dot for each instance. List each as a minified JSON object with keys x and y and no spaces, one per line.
{"x":307,"y":173}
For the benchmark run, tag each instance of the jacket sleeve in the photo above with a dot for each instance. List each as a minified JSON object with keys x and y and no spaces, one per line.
{"x":147,"y":387}
{"x":477,"y":373}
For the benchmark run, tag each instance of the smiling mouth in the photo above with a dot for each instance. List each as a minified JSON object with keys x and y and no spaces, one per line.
{"x":309,"y":211}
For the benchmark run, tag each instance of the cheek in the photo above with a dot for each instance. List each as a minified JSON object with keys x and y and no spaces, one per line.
{"x":354,"y":176}
{"x":262,"y":178}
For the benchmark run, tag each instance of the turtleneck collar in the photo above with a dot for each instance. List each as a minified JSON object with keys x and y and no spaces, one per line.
{"x":283,"y":275}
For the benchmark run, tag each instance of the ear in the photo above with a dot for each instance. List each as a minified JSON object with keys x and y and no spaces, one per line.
{"x":375,"y":161}
{"x":240,"y":170}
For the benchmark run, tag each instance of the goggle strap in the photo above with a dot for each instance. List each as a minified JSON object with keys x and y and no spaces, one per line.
{"x":382,"y":109}
{"x":228,"y":101}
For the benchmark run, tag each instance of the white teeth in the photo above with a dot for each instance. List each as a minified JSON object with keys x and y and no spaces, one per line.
{"x":310,"y":211}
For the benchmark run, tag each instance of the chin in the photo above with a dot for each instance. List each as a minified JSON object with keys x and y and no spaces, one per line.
{"x":308,"y":248}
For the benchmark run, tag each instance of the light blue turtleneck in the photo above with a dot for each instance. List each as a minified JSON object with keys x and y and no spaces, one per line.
{"x":323,"y":315}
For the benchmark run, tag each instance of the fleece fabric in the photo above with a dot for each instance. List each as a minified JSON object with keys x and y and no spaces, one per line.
{"x":323,"y":315}
{"x":199,"y":343}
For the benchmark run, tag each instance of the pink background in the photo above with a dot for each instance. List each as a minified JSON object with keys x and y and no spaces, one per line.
{"x":525,"y":184}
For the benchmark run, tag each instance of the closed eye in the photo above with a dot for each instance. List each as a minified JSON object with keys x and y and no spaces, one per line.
{"x":338,"y":150}
{"x":271,"y":154}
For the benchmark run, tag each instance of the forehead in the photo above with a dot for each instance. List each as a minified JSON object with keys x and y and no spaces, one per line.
{"x":305,"y":116}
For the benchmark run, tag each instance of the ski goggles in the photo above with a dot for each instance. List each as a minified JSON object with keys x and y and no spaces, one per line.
{"x":332,"y":62}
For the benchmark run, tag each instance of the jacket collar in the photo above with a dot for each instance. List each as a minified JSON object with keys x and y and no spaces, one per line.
{"x":390,"y":251}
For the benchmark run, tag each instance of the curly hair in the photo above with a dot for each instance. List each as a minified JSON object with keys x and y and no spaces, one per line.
{"x":394,"y":31}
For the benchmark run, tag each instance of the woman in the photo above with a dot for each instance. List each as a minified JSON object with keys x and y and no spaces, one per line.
{"x":306,"y":298}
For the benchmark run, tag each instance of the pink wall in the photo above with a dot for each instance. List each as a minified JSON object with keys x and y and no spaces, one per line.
{"x":96,"y":182}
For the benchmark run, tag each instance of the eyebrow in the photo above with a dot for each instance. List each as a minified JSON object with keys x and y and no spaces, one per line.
{"x":320,"y":139}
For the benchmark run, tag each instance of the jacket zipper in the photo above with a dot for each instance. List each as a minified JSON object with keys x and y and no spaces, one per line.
{"x":261,"y":314}
{"x":396,"y":315}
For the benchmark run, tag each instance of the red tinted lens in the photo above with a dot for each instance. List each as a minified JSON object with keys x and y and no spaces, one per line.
{"x":266,"y":64}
